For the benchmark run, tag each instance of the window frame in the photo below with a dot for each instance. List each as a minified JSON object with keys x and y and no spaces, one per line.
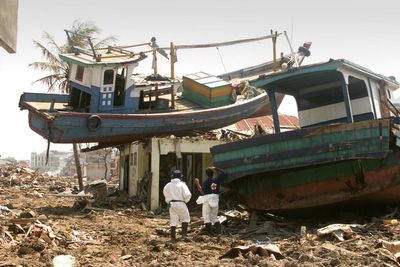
{"x":80,"y":70}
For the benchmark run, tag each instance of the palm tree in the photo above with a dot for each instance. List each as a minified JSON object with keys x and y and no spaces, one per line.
{"x":57,"y":78}
{"x":58,"y":70}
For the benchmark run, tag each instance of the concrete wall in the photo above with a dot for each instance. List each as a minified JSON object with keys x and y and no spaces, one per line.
{"x":8,"y":25}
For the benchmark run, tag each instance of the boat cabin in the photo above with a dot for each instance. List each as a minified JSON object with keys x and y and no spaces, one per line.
{"x":332,"y":92}
{"x":102,"y":86}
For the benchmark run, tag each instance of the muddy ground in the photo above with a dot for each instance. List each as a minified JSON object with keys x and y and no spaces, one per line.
{"x":36,"y":227}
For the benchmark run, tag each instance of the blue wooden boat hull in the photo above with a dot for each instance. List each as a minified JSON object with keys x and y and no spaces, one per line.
{"x":60,"y":126}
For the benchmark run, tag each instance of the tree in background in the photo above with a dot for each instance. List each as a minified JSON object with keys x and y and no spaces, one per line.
{"x":58,"y":70}
{"x":57,"y":78}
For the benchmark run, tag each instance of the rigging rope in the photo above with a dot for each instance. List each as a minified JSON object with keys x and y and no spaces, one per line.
{"x":224,"y":43}
{"x":222,"y":61}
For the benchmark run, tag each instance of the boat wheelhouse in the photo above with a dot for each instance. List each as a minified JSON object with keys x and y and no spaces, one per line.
{"x":346,"y":150}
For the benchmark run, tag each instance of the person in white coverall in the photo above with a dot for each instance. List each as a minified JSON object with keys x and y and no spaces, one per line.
{"x":176,"y":195}
{"x":210,"y":199}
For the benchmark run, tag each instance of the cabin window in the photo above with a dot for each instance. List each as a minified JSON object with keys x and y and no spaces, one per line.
{"x":357,"y":88}
{"x":108,"y":77}
{"x":333,"y":95}
{"x":79,"y":73}
{"x":320,"y":98}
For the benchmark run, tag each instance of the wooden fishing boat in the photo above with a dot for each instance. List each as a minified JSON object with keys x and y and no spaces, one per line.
{"x":108,"y":105}
{"x":347,"y":150}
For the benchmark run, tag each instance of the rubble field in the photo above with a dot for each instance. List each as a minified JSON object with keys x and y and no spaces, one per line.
{"x":44,"y":224}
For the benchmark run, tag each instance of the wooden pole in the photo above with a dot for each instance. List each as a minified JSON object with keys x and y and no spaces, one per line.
{"x":172,"y":53}
{"x":78,"y":166}
{"x":155,"y":73}
{"x":274,"y":37}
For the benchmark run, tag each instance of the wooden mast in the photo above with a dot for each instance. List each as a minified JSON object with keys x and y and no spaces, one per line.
{"x":274,"y":37}
{"x":172,"y":53}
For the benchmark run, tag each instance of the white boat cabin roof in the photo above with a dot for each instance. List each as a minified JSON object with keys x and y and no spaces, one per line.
{"x":103,"y":58}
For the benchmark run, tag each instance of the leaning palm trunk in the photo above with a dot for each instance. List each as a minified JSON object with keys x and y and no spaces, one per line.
{"x":78,"y":166}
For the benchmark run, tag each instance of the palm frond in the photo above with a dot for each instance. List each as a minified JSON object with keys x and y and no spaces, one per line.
{"x":106,"y":41}
{"x":83,"y":28}
{"x":47,"y":66}
{"x":52,"y":42}
{"x":63,"y":87}
{"x":46,"y":53}
{"x":48,"y":80}
{"x":58,"y":69}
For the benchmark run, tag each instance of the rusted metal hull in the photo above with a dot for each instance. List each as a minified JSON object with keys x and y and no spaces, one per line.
{"x":342,"y":163}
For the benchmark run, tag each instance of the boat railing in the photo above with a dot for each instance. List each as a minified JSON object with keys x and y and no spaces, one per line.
{"x":77,"y":49}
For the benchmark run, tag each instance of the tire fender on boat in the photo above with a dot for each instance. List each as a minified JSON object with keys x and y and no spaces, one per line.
{"x":93,"y":123}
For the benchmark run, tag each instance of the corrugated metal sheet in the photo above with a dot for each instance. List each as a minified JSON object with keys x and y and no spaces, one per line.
{"x":267,"y":123}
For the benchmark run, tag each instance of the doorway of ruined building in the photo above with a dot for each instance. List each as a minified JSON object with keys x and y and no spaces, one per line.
{"x":190,"y":164}
{"x":125,"y":185}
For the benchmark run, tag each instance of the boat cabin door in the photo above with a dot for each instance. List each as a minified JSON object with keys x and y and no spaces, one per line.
{"x":113,"y":88}
{"x":119,"y":91}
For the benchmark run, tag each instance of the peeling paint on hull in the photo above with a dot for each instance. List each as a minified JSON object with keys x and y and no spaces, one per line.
{"x":356,"y":162}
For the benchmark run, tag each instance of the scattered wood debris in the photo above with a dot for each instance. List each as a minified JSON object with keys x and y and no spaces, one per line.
{"x":37,"y":228}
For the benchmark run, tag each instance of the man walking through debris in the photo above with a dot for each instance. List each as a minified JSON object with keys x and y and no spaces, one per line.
{"x":176,"y":195}
{"x":210,"y":197}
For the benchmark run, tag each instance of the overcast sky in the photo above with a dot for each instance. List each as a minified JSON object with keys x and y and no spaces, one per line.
{"x":365,"y":32}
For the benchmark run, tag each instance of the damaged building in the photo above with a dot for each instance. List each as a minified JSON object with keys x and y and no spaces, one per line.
{"x":146,"y":165}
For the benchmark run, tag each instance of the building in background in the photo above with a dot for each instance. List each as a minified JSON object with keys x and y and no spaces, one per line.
{"x":54,"y":164}
{"x":95,"y":165}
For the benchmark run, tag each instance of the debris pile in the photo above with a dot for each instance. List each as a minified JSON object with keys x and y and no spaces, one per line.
{"x":37,"y":229}
{"x":14,"y":175}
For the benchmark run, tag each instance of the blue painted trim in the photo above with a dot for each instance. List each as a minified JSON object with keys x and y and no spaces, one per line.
{"x":131,"y":103}
{"x":94,"y":92}
{"x":81,"y":87}
{"x":43,"y":97}
{"x":94,"y":105}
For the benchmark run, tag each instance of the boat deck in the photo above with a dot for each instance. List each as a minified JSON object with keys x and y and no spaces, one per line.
{"x":161,"y":105}
{"x":43,"y":106}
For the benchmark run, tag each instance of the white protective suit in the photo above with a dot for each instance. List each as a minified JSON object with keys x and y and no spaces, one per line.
{"x":210,"y":207}
{"x":177,"y":194}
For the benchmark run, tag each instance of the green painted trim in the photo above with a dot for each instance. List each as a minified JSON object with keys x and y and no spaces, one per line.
{"x":297,"y":72}
{"x":307,"y":143}
{"x":86,"y":65}
{"x":315,"y":174}
{"x":205,"y":101}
